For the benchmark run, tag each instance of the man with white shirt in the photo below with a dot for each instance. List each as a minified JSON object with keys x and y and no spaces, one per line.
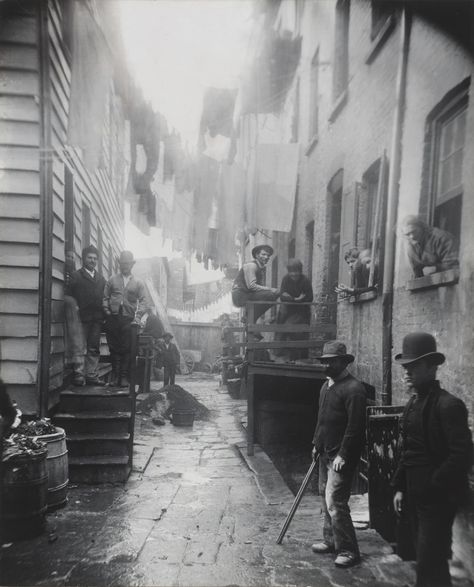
{"x":338,"y":439}
{"x":86,"y":286}
{"x":123,"y":303}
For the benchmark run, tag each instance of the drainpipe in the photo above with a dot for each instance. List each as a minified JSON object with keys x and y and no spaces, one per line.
{"x":46,"y":214}
{"x":392,"y":208}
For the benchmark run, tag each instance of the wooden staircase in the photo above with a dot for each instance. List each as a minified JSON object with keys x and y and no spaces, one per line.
{"x":99,"y":432}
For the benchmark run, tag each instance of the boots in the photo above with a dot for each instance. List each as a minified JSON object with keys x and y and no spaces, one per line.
{"x":124,"y":368}
{"x":115,"y":376}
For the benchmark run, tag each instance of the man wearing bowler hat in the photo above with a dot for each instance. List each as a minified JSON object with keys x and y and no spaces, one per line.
{"x":248,"y":285}
{"x":124,"y":302}
{"x":338,"y":439}
{"x":431,"y":479}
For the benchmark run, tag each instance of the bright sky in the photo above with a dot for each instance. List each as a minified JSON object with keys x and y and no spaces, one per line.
{"x":178,"y":48}
{"x":175,"y":50}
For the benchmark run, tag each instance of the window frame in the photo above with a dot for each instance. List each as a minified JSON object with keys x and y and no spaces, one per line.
{"x":447,"y":111}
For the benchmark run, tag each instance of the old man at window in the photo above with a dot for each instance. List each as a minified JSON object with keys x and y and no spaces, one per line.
{"x":429,"y":249}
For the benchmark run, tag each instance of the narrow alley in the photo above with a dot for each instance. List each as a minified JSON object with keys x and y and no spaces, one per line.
{"x":195,"y":511}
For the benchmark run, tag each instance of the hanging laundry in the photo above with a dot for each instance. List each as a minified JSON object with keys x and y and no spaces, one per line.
{"x":276,"y":172}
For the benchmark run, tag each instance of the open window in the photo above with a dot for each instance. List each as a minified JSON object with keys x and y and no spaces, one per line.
{"x":369,"y":221}
{"x":442,"y":184}
{"x":447,"y":154}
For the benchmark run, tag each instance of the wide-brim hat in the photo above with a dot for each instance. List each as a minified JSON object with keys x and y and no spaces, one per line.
{"x":126,"y":257}
{"x":419,"y":345}
{"x":335,"y":349}
{"x":167,"y":335}
{"x":259,"y":248}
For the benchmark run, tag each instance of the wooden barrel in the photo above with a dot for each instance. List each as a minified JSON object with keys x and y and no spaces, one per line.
{"x":25,"y":484}
{"x":56,"y":467}
{"x":182,"y":417}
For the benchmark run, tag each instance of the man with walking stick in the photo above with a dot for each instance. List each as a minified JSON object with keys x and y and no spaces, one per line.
{"x":338,"y":440}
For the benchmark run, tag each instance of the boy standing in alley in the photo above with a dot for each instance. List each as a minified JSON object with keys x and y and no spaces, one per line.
{"x":170,"y":359}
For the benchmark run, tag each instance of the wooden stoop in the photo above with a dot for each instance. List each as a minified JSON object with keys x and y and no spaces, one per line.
{"x":99,"y":433}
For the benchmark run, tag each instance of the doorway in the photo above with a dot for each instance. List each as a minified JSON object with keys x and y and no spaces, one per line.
{"x":334,"y":208}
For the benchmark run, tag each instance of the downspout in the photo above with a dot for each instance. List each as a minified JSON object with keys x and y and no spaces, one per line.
{"x":46,"y":212}
{"x":392,"y":207}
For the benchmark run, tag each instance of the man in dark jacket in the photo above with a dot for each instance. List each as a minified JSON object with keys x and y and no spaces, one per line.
{"x":169,"y":358}
{"x":338,"y":439}
{"x":86,"y":286}
{"x":249,"y":284}
{"x":295,"y":288}
{"x":429,"y":249}
{"x":431,"y":480}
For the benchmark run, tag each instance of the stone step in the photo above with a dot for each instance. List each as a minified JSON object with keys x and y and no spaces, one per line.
{"x":110,"y":422}
{"x":95,"y":399}
{"x":99,"y":469}
{"x":85,"y":445}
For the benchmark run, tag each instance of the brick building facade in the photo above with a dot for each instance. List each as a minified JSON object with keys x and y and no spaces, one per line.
{"x":380,"y":106}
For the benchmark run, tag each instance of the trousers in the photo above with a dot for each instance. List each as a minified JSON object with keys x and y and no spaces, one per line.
{"x":91,"y":352}
{"x":431,"y":518}
{"x":169,"y":374}
{"x":335,"y":487}
{"x":240,"y":298}
{"x":118,"y":331}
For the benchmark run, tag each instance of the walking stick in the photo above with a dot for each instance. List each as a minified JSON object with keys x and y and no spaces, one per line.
{"x":298,"y":498}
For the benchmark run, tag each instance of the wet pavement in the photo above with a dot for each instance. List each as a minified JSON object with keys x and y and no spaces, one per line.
{"x":195,"y":511}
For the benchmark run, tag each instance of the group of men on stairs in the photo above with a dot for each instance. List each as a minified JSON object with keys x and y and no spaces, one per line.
{"x":121,"y":301}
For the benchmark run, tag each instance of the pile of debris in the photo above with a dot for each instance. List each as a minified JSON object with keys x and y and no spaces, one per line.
{"x":160,"y":404}
{"x":36,"y":427}
{"x":18,"y":444}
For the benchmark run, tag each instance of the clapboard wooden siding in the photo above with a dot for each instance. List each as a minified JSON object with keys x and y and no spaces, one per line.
{"x":19,"y":203}
{"x":20,"y":189}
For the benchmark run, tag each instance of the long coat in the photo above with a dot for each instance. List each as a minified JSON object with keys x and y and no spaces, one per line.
{"x":448,"y":441}
{"x":88,"y":292}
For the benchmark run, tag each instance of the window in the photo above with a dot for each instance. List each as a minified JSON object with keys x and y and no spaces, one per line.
{"x":314,"y":97}
{"x":382,"y":10}
{"x":341,"y":49}
{"x":86,"y":226}
{"x":446,"y":140}
{"x":100,"y":248}
{"x":308,"y":249}
{"x":292,"y":249}
{"x":296,"y":114}
{"x":68,"y":209}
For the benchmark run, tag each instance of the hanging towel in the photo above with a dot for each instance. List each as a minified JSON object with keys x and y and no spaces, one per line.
{"x":276,"y":172}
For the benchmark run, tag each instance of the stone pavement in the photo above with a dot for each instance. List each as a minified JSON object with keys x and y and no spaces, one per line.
{"x":194,"y":512}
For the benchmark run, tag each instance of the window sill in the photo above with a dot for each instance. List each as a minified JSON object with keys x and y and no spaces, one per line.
{"x":449,"y":277}
{"x":380,"y":39}
{"x":363,"y":297}
{"x":312,"y":143}
{"x":339,"y":105}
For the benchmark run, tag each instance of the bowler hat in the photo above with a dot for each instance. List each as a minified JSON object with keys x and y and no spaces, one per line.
{"x":167,"y":335}
{"x":126,"y":257}
{"x":334,"y":349}
{"x":419,"y":345}
{"x":256,"y":250}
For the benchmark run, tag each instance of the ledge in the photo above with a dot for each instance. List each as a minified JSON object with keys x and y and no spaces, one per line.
{"x":339,"y":105}
{"x":312,"y":143}
{"x":379,"y":40}
{"x":449,"y":277}
{"x":363,"y":297}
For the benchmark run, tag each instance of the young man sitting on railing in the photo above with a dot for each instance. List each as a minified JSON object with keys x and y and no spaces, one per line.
{"x":248,"y":285}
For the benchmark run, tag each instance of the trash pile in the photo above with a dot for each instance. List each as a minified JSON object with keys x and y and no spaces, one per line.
{"x":160,"y":404}
{"x":36,"y":427}
{"x":19,"y":445}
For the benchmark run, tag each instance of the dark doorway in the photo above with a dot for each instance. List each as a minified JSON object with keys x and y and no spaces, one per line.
{"x":334,"y":201}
